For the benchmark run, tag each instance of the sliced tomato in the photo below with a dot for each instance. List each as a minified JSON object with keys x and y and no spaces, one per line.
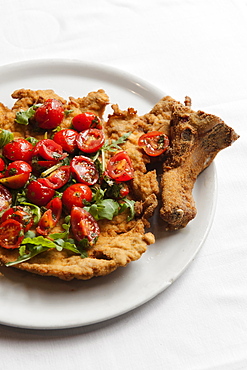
{"x":84,"y":170}
{"x":154,"y":143}
{"x":11,"y":234}
{"x":120,"y":167}
{"x":18,"y":149}
{"x":90,"y":140}
{"x":2,"y":165}
{"x":51,"y":217}
{"x":67,"y":139}
{"x":84,"y":226}
{"x":57,"y":178}
{"x":48,"y":149}
{"x":39,"y":194}
{"x":19,"y":214}
{"x":124,"y":190}
{"x":86,"y":120}
{"x":50,"y":114}
{"x":5,"y":198}
{"x":16,"y":181}
{"x":76,"y":195}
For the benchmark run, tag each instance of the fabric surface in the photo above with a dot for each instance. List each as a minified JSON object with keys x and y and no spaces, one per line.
{"x":183,"y":47}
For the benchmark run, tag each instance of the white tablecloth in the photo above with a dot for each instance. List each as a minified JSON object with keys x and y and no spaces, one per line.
{"x":184,"y":47}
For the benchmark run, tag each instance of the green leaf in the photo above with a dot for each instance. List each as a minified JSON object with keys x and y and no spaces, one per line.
{"x":39,"y":240}
{"x":23,"y":117}
{"x":35,"y":211}
{"x":25,"y":257}
{"x":106,"y":208}
{"x":114,"y":145}
{"x":130,"y":205}
{"x":5,"y":137}
{"x":32,"y":140}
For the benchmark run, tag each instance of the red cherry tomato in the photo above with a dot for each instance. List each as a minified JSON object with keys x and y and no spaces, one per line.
{"x":11,"y":234}
{"x":16,"y":181}
{"x":50,"y":114}
{"x":67,"y":139}
{"x":154,"y":143}
{"x":83,"y":225}
{"x":39,"y":194}
{"x":57,"y":178}
{"x":16,"y":175}
{"x":5,"y":198}
{"x":50,"y":218}
{"x":48,"y":149}
{"x":91,"y":140}
{"x":124,"y":191}
{"x":19,"y":214}
{"x":120,"y":168}
{"x":2,"y":165}
{"x":86,"y":120}
{"x":17,"y":167}
{"x":84,"y":170}
{"x":76,"y":195}
{"x":18,"y":149}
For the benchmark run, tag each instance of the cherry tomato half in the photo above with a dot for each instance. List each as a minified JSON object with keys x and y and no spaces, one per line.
{"x":5,"y":198}
{"x":18,"y":149}
{"x":48,"y":149}
{"x":51,"y":216}
{"x":76,"y":195}
{"x":16,"y":181}
{"x":57,"y":178}
{"x":50,"y":114}
{"x":154,"y":143}
{"x":39,"y":194}
{"x":19,"y":214}
{"x":11,"y":234}
{"x":67,"y":139}
{"x":2,"y":165}
{"x":86,"y":120}
{"x":84,"y":170}
{"x":84,"y":225}
{"x":91,"y":140}
{"x":120,"y":168}
{"x":124,"y":190}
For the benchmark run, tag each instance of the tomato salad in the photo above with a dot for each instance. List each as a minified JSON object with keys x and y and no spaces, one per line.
{"x":61,"y":180}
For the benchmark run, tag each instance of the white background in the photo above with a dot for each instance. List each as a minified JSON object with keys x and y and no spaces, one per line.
{"x":184,"y":47}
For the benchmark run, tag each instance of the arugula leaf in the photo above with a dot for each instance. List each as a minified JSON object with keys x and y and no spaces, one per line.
{"x":130,"y":205}
{"x":114,"y":145}
{"x":5,"y":137}
{"x":23,"y":117}
{"x":68,"y":111}
{"x":39,"y":244}
{"x":32,"y":140}
{"x":25,"y":257}
{"x":35,"y":211}
{"x":105,"y":208}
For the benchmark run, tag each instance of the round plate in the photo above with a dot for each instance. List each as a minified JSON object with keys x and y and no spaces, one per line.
{"x":36,"y":302}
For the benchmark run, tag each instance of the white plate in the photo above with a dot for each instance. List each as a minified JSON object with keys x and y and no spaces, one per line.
{"x":31,"y":301}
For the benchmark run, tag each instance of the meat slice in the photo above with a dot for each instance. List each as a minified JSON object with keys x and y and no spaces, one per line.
{"x":196,"y":138}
